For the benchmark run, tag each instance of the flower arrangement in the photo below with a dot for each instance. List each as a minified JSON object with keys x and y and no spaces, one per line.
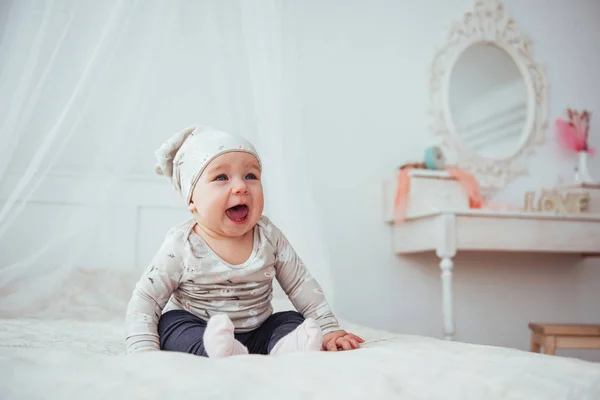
{"x":574,"y":133}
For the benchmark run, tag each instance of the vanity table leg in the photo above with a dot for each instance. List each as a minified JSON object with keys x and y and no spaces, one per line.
{"x":445,"y":251}
{"x":446,"y":266}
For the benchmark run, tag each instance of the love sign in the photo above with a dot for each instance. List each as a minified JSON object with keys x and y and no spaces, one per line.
{"x":555,"y":202}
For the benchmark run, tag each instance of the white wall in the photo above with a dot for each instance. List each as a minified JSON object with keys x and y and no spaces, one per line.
{"x":365,"y":69}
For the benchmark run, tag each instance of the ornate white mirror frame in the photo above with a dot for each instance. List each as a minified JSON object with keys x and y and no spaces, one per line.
{"x":488,"y":23}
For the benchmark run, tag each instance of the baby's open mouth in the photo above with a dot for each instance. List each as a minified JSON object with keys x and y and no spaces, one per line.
{"x":238,"y":213}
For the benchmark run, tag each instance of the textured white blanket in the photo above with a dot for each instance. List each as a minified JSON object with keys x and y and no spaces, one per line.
{"x":72,"y":359}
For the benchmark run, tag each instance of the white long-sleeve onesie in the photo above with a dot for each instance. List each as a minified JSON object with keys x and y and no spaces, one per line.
{"x":186,"y":274}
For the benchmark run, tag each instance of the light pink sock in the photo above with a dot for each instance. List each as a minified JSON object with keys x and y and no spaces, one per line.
{"x":306,"y":337}
{"x":219,"y":340}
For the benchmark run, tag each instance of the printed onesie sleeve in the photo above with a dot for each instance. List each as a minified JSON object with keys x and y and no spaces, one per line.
{"x":303,"y":290}
{"x":151,"y":293}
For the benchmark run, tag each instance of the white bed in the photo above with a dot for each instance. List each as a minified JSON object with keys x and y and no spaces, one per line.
{"x":77,"y":359}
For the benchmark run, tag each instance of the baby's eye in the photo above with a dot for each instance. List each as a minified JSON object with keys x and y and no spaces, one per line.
{"x":251,"y":176}
{"x":221,"y":177}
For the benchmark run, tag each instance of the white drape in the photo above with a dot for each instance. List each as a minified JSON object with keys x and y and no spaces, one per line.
{"x":88,"y":90}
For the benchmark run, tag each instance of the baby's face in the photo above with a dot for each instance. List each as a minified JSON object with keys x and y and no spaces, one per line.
{"x":228,"y":197}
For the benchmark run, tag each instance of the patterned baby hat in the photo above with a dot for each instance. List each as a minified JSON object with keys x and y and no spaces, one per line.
{"x":183,"y":157}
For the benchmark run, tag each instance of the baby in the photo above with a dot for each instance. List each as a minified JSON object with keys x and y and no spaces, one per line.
{"x":208,"y":289}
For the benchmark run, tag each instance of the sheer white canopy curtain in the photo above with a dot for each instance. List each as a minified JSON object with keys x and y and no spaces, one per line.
{"x":88,"y":90}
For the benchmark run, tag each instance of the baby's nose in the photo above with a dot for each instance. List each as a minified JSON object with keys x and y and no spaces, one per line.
{"x":240,"y":187}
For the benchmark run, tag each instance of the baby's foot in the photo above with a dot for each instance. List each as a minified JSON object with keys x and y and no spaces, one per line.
{"x":219,"y":340}
{"x":306,"y":337}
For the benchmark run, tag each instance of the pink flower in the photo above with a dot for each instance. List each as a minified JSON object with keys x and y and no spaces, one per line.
{"x":573,"y":134}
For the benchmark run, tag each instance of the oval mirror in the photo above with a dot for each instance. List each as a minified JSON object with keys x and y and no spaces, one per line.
{"x":488,"y":101}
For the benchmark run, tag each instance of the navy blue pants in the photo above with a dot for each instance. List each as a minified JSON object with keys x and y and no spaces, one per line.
{"x":180,"y":330}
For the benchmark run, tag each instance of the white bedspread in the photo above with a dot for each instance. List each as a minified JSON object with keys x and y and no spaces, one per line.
{"x":71,"y":359}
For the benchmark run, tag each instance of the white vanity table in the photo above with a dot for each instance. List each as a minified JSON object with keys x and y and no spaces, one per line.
{"x":439,"y":220}
{"x":447,"y":232}
{"x":489,"y":101}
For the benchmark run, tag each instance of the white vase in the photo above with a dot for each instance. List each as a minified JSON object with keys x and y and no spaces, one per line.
{"x":583,"y":174}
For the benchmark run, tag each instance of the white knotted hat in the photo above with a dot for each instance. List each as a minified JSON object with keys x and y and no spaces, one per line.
{"x":183,"y":157}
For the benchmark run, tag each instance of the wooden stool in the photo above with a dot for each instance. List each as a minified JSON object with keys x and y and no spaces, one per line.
{"x":566,"y":336}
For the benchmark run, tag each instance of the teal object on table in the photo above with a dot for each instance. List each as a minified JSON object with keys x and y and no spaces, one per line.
{"x":434,"y":158}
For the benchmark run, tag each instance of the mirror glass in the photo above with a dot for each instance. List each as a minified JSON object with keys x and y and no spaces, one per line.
{"x":488,"y":101}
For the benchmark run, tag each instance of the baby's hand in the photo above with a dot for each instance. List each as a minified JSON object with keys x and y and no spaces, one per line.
{"x":341,"y":340}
